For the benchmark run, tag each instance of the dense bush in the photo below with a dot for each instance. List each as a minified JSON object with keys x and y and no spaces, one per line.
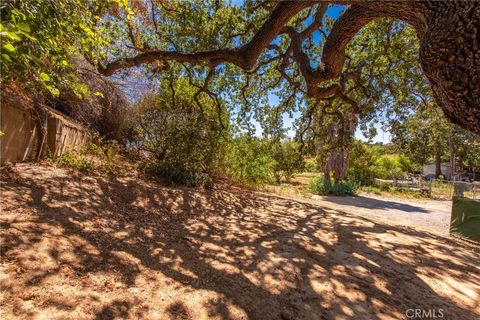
{"x":368,"y":162}
{"x":182,"y":142}
{"x":362,"y":163}
{"x":388,"y":167}
{"x":248,"y":160}
{"x":188,"y":145}
{"x":310,"y":165}
{"x":258,"y":161}
{"x":343,"y":188}
{"x":321,"y":186}
{"x":286,"y":160}
{"x":172,"y":173}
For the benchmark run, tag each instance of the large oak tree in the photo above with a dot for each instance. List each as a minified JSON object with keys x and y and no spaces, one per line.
{"x":280,"y":33}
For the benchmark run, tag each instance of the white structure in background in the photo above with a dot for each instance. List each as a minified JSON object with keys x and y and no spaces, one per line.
{"x":429,"y":170}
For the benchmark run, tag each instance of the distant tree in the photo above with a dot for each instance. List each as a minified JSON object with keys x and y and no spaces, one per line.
{"x":467,"y":148}
{"x":286,"y":159}
{"x":423,"y":135}
{"x":386,"y":52}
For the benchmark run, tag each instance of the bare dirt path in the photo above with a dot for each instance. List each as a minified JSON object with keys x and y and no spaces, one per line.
{"x":78,"y":247}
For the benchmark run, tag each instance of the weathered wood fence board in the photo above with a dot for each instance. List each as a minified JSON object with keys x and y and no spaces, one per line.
{"x":21,"y":137}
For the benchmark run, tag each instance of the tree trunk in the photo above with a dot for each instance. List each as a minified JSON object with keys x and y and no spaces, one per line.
{"x":452,"y":156}
{"x":449,"y":34}
{"x":450,"y":58}
{"x":326,"y":175}
{"x":438,"y":162}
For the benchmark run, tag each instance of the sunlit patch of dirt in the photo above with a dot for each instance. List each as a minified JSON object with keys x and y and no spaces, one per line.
{"x":77,"y":247}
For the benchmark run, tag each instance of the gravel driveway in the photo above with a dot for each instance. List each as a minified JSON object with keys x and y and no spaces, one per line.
{"x":432,"y":215}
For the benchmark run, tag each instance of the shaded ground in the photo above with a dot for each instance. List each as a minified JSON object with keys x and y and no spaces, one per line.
{"x":77,"y":247}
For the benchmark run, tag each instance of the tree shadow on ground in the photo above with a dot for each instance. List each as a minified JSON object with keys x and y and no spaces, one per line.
{"x":372,"y":203}
{"x":128,"y":248}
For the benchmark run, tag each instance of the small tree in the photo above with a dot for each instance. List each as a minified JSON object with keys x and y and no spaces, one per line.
{"x":287,"y":160}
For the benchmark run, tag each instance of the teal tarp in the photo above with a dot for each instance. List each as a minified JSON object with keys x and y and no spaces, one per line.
{"x":465,"y":221}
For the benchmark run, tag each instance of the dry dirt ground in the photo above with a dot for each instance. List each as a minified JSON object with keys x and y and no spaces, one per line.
{"x":85,"y":247}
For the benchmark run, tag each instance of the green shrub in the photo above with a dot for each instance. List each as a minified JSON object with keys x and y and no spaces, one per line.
{"x":343,"y":188}
{"x":362,"y":164}
{"x":319,"y":185}
{"x":405,"y":164}
{"x":286,"y":160}
{"x":388,"y":167}
{"x":248,"y":160}
{"x":71,"y":160}
{"x":310,"y":164}
{"x":178,"y":173}
{"x":181,"y":142}
{"x":368,"y":162}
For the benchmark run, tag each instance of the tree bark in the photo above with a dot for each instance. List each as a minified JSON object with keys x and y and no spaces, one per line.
{"x":450,"y":58}
{"x":452,"y":156}
{"x":449,"y":34}
{"x":438,"y":162}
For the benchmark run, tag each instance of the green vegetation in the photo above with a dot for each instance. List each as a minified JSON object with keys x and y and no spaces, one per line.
{"x":38,"y":39}
{"x":248,"y":161}
{"x":182,"y":143}
{"x":321,"y":186}
{"x":188,"y":140}
{"x":191,"y":121}
{"x":370,"y":162}
{"x":71,"y":160}
{"x":96,"y":157}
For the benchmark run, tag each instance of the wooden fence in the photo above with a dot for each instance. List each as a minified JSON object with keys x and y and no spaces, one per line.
{"x":20,"y":138}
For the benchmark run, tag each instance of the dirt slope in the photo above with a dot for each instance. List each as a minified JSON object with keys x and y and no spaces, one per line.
{"x":78,"y":247}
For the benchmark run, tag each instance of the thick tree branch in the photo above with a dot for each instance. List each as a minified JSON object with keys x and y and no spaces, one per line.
{"x":244,"y":57}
